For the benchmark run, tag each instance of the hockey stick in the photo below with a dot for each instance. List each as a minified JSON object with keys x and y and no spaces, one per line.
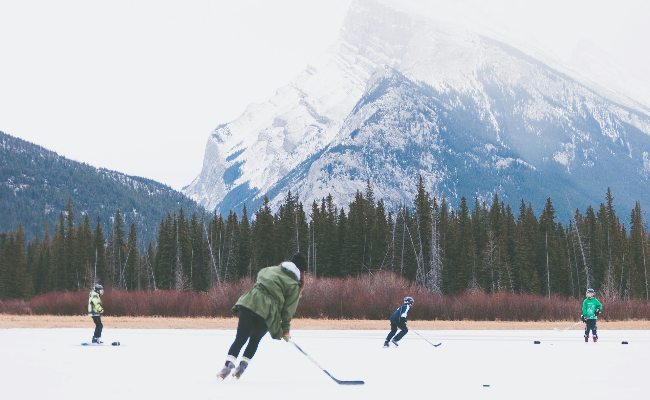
{"x":340,"y":382}
{"x":425,"y":339}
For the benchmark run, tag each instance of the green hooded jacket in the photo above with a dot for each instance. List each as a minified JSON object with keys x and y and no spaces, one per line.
{"x":94,"y":304}
{"x":589,"y":307}
{"x":274,"y":297}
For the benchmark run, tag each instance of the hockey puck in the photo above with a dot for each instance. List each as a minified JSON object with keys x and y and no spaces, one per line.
{"x":486,"y":385}
{"x":115,"y":344}
{"x":537,"y":342}
{"x":624,"y":342}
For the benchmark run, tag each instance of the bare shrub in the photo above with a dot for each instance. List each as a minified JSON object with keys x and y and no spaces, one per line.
{"x":15,"y":307}
{"x":60,"y":303}
{"x":372,"y":296}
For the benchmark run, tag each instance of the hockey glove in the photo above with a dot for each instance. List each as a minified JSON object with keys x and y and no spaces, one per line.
{"x":286,"y":336}
{"x":583,"y":319}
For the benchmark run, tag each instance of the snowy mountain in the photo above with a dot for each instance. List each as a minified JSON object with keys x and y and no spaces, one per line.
{"x":401,"y":96}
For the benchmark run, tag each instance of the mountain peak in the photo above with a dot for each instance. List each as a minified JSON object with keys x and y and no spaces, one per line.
{"x":401,"y":96}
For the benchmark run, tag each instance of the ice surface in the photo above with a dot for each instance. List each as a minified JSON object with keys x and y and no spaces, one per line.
{"x":181,"y":364}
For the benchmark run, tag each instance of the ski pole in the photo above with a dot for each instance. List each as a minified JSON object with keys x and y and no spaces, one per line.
{"x":426,"y":340}
{"x":340,"y":382}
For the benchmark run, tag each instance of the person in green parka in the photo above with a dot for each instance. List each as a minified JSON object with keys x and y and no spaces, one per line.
{"x":268,"y":306}
{"x":591,"y":308}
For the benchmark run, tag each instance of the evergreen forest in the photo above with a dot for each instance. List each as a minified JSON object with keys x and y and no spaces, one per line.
{"x":481,"y":245}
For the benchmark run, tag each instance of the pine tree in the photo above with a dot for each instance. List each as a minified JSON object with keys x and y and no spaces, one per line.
{"x":132,"y":273}
{"x":116,"y":250}
{"x":100,"y":269}
{"x":638,"y":261}
{"x":83,"y":248}
{"x":74,"y":274}
{"x":357,"y":239}
{"x":58,"y":272}
{"x":200,"y":267}
{"x":526,"y":276}
{"x":245,"y":245}
{"x":42,"y":262}
{"x":165,"y":256}
{"x":264,"y":243}
{"x":422,"y":213}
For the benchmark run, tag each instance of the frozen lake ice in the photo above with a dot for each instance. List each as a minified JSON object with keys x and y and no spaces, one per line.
{"x":182,"y":363}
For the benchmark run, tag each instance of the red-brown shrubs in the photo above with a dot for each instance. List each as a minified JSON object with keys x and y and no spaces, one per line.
{"x":372,"y":296}
{"x":15,"y":307}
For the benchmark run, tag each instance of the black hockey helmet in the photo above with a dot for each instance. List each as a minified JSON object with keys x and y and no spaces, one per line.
{"x":408,"y":300}
{"x":590,"y":290}
{"x":98,"y":287}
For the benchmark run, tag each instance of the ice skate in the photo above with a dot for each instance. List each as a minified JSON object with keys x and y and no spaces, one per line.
{"x":595,"y":338}
{"x":386,"y":343}
{"x":395,"y":343}
{"x":243,"y":364}
{"x":227,"y":368}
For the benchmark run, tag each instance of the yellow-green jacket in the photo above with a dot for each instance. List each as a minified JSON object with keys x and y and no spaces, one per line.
{"x":274,"y":297}
{"x":94,"y":304}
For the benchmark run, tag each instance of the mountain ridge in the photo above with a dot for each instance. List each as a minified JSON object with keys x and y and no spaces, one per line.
{"x":36,"y":184}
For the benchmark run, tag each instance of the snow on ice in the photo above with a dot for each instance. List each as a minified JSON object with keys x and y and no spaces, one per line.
{"x":181,"y":364}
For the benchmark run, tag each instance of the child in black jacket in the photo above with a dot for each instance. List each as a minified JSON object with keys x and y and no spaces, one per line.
{"x":398,"y":320}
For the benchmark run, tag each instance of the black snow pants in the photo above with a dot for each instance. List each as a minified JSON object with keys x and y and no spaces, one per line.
{"x":98,"y":326}
{"x":393,"y":329}
{"x":591,"y":326}
{"x":251,"y":327}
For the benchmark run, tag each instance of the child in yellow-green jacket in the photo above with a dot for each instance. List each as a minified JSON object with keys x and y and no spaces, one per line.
{"x":95,"y":311}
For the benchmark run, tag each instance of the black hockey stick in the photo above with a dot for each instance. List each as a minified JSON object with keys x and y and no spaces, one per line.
{"x":425,"y":339}
{"x":340,"y":382}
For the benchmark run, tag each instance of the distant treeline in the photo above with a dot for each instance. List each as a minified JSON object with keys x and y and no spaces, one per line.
{"x":485,"y":246}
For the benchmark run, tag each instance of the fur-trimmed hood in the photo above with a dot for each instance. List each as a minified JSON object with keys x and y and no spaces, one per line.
{"x":289,"y":266}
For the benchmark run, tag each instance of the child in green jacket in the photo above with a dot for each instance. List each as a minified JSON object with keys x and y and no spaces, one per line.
{"x":591,"y":308}
{"x":267,"y":307}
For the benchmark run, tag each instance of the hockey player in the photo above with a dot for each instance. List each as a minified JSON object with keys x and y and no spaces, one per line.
{"x":267,"y":307}
{"x":398,"y":320}
{"x":591,"y":308}
{"x":95,"y":310}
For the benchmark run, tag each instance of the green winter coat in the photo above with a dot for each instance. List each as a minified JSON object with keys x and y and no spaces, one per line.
{"x":94,"y":304}
{"x":589,"y":307}
{"x":274,"y":297}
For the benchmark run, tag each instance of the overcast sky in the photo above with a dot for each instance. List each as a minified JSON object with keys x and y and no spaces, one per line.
{"x":137,"y":86}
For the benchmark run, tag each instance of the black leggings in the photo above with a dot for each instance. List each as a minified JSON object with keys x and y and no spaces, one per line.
{"x":393,"y":330}
{"x":591,"y":326}
{"x":250,"y":327}
{"x":98,"y":326}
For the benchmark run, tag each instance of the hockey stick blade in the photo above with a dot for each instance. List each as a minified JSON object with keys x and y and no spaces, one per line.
{"x":339,"y":381}
{"x":426,"y":340}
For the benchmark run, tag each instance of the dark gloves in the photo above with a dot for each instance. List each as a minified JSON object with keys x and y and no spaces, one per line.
{"x":582,"y":318}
